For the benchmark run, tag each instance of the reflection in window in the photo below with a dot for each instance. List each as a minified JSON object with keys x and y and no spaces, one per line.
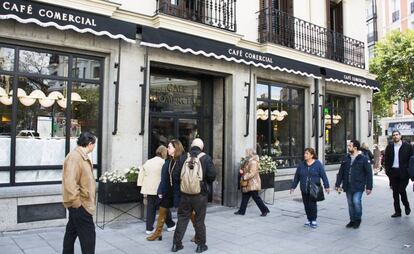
{"x":43,"y":63}
{"x":339,"y":117}
{"x":86,"y":68}
{"x":6,"y":59}
{"x":85,"y":112}
{"x":6,"y":83}
{"x":280,"y":121}
{"x":175,"y":95}
{"x":41,"y":122}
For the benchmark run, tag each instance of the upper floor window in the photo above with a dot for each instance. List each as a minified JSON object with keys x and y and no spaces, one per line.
{"x":395,"y":10}
{"x":412,"y":7}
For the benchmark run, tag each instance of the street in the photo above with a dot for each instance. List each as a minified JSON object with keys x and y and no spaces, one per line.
{"x":282,"y":231}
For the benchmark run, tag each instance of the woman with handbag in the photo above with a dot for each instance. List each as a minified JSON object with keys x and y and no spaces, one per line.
{"x":250,"y":183}
{"x":168,"y":190}
{"x":309,"y":173}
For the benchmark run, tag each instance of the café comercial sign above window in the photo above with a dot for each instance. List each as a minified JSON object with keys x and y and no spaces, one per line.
{"x":63,"y":19}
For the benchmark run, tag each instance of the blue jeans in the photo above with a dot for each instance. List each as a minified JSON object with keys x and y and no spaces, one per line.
{"x":354,"y":205}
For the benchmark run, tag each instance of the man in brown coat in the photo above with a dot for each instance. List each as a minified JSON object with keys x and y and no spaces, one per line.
{"x":78,"y":186}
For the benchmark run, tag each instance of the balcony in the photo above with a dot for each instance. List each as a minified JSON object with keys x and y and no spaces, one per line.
{"x":395,"y":16}
{"x":286,"y":30}
{"x":216,"y":13}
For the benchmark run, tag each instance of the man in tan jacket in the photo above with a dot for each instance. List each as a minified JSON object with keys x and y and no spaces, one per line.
{"x":78,"y":186}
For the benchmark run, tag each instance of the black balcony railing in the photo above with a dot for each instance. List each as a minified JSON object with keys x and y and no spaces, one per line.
{"x":286,"y":30}
{"x":216,"y":13}
{"x":395,"y":16}
{"x":412,"y":6}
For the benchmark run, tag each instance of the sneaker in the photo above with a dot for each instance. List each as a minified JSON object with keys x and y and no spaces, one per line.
{"x":171,"y":228}
{"x":307,"y":224}
{"x":313,"y":224}
{"x":149,"y":232}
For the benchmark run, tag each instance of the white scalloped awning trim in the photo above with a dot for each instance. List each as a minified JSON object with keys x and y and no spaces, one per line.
{"x":67,"y":27}
{"x":351,"y":83}
{"x":229,"y":59}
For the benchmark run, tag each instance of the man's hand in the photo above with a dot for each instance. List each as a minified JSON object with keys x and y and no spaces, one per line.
{"x":327,"y":190}
{"x":291,"y":191}
{"x":368,"y":192}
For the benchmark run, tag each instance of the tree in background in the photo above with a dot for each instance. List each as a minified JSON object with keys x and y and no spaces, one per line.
{"x":394,"y":66}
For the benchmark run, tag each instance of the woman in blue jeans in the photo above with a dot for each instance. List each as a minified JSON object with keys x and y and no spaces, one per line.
{"x":310,"y":170}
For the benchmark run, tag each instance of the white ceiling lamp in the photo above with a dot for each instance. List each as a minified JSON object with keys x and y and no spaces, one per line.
{"x":260,"y":113}
{"x":46,"y":102}
{"x":62,"y":103}
{"x":274,"y":115}
{"x":4,"y":98}
{"x":327,"y":119}
{"x":76,"y":97}
{"x":27,"y":100}
{"x":2,"y":92}
{"x":55,"y":95}
{"x":281,"y":116}
{"x":336,"y":119}
{"x":37,"y":94}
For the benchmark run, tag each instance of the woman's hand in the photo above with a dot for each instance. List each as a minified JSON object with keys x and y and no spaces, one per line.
{"x":241,"y":172}
{"x":327,"y":190}
{"x":292,"y":190}
{"x":160,"y":196}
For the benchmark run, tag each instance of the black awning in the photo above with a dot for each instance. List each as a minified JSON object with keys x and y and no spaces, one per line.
{"x":350,"y":79}
{"x":63,"y":19}
{"x":185,"y":43}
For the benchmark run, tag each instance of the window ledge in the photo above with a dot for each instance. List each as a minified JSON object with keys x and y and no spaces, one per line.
{"x":30,"y":191}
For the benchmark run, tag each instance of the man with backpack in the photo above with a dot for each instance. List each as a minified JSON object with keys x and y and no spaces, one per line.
{"x":195,"y":179}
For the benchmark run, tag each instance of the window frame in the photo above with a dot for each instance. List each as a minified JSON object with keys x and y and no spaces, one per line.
{"x":16,"y":74}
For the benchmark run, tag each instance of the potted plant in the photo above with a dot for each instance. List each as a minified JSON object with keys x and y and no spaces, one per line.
{"x":267,"y":170}
{"x":119,"y":186}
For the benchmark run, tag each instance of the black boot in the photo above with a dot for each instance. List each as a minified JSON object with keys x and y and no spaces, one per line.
{"x":356,"y":224}
{"x":201,"y":248}
{"x":350,"y":224}
{"x":176,"y":247}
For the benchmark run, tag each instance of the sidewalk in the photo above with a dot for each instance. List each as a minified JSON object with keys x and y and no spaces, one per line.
{"x":281,"y":231}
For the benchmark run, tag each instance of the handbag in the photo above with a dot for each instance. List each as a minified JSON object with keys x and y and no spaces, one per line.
{"x":243,"y":183}
{"x":316,"y":191}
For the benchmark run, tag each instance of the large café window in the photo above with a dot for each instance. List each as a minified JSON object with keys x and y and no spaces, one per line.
{"x":38,"y":124}
{"x":280,"y":123}
{"x":339,"y":113}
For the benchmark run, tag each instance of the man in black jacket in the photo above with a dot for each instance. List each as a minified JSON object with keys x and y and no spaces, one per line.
{"x":194,"y":202}
{"x":397,"y":156}
{"x":355,"y":175}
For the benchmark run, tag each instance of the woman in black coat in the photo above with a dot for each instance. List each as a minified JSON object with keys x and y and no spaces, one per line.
{"x":169,"y":189}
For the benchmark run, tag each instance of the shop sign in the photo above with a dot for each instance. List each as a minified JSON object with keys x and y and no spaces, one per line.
{"x":405,"y":128}
{"x":63,"y":19}
{"x":173,"y":94}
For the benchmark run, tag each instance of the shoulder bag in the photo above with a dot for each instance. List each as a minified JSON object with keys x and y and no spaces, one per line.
{"x":315,"y":190}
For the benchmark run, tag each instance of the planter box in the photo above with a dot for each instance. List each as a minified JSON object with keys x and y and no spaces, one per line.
{"x":268,"y":180}
{"x":113,"y":193}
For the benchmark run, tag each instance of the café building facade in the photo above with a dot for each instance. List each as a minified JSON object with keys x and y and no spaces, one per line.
{"x":138,"y":79}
